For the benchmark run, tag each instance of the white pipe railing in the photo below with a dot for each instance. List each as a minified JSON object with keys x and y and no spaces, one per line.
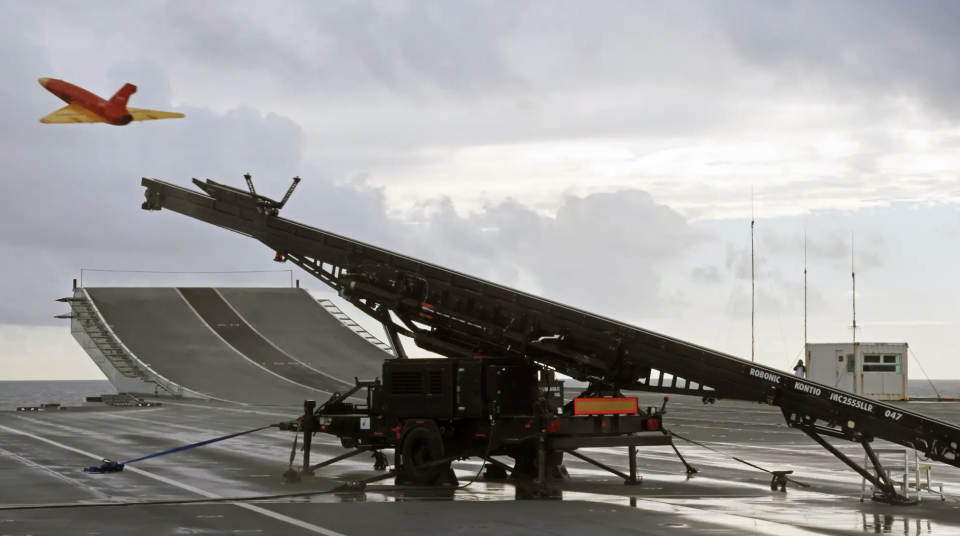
{"x":168,"y":385}
{"x":333,"y":311}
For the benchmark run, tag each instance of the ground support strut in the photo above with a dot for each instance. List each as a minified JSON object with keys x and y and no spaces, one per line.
{"x":888,"y":493}
{"x":630,"y":480}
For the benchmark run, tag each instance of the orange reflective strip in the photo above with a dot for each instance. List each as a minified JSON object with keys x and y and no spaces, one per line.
{"x":604,"y":406}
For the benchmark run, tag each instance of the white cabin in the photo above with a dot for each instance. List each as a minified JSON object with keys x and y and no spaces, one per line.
{"x":876,"y":370}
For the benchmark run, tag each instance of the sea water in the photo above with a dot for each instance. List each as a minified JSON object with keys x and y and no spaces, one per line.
{"x":65,"y":392}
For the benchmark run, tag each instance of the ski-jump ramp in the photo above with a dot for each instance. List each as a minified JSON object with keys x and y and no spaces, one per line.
{"x":257,"y":346}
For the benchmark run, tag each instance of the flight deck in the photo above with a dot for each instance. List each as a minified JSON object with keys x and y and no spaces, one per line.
{"x":41,"y":454}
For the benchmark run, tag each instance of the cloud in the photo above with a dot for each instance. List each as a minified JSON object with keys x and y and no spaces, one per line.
{"x":734,"y":259}
{"x":71,"y":193}
{"x":602,"y":252}
{"x":890,"y":48}
{"x":706,"y":273}
{"x":75,"y":199}
{"x":832,"y":245}
{"x":698,"y":100}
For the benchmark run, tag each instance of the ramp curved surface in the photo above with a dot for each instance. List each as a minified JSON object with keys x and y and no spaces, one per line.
{"x":298,"y":325}
{"x":223,"y":320}
{"x":165,"y":332}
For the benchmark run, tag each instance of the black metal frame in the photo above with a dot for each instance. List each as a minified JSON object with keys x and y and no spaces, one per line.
{"x":464,"y":315}
{"x":541,"y":480}
{"x":887,"y":490}
{"x":628,"y":431}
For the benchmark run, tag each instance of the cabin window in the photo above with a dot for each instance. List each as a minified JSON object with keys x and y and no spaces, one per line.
{"x":881,"y":363}
{"x":851,"y":362}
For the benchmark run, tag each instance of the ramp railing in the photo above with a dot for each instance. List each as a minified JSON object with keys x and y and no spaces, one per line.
{"x":88,"y":319}
{"x":85,"y":312}
{"x":352,"y":324}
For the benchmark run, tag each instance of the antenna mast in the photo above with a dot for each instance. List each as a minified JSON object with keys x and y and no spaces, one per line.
{"x":804,"y":290}
{"x":853,"y":277}
{"x":753,"y":342}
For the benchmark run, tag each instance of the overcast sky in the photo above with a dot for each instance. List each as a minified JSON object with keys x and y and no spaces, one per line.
{"x":599,"y":153}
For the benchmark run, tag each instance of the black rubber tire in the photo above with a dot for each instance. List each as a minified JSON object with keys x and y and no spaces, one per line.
{"x":420,"y":445}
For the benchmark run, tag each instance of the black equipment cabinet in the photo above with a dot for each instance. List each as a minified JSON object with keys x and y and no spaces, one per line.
{"x":512,"y":389}
{"x":458,"y":388}
{"x":421,"y":387}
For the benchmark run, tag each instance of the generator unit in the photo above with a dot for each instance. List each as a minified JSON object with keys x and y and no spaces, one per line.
{"x":458,"y":388}
{"x":435,"y":411}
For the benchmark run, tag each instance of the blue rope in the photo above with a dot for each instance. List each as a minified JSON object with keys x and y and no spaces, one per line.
{"x":109,"y":466}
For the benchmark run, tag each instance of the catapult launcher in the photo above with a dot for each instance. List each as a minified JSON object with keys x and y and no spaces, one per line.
{"x":458,"y":316}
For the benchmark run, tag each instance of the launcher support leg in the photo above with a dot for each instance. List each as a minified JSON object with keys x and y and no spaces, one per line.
{"x":307,"y":440}
{"x":532,"y":487}
{"x":380,"y":461}
{"x":390,"y":330}
{"x":394,"y":339}
{"x":881,"y":472}
{"x":309,"y":422}
{"x":397,"y":459}
{"x":690,"y":469}
{"x":502,"y":466}
{"x":632,"y":464}
{"x":339,"y":458}
{"x":607,"y":468}
{"x":541,"y":456}
{"x":888,"y":493}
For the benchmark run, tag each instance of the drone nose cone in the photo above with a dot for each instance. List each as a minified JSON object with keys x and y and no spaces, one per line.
{"x":43,"y":81}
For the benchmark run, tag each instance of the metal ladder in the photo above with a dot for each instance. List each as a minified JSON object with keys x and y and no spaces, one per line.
{"x":86,"y":315}
{"x":89,"y":320}
{"x":356,"y":328}
{"x":906,"y":465}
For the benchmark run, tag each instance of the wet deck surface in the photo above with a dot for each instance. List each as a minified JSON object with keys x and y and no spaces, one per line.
{"x":41,"y":454}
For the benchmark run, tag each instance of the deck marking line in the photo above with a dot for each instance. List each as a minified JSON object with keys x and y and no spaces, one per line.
{"x":277,"y":348}
{"x":188,"y":487}
{"x":241,"y":354}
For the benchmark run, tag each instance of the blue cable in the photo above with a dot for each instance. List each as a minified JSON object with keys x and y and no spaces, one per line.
{"x":109,"y":466}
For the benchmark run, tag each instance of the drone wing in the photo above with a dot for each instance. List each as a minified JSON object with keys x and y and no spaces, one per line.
{"x":139,"y":114}
{"x":72,"y":114}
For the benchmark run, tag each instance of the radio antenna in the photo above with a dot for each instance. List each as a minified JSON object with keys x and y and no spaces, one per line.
{"x":853,"y":278}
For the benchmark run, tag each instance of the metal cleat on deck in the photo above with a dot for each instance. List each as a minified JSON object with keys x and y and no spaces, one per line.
{"x":779,"y":481}
{"x":108,"y":466}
